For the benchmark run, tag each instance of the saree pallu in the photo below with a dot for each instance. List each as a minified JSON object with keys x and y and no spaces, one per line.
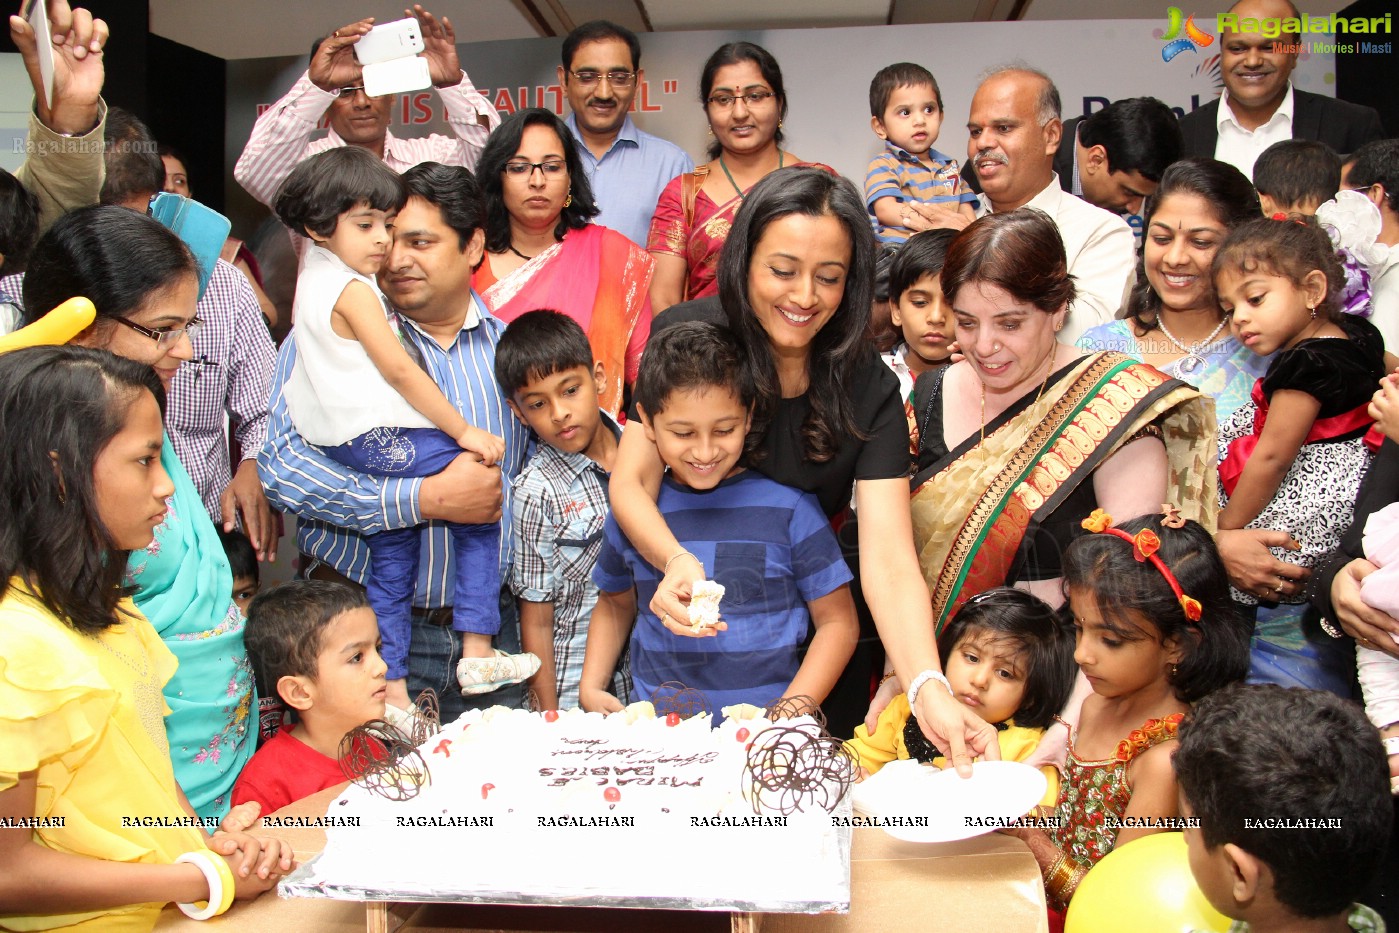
{"x":690,"y":225}
{"x":597,"y":277}
{"x":975,"y":508}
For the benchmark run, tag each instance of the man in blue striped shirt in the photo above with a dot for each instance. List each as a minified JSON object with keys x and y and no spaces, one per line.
{"x":438,"y":242}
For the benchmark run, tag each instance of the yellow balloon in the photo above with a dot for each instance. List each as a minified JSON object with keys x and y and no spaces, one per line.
{"x":60,"y":325}
{"x":1144,"y":886}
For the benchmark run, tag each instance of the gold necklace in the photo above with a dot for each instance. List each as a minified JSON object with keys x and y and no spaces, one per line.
{"x":1038,"y":395}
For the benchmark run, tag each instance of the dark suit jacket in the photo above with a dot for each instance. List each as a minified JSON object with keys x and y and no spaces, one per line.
{"x":1343,"y":126}
{"x":1064,"y":158}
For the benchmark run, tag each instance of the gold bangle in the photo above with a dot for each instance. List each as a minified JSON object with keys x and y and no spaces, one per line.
{"x":886,"y":677}
{"x":1062,"y":879}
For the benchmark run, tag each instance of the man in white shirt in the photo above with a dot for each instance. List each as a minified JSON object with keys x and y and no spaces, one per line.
{"x":1374,"y":172}
{"x":1259,"y":106}
{"x":1014,"y":132}
{"x":281,"y":138}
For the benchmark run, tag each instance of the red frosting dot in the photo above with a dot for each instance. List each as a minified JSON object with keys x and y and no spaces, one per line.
{"x":551,"y":715}
{"x":612,"y":795}
{"x":672,"y":719}
{"x":486,"y":790}
{"x":741,"y":735}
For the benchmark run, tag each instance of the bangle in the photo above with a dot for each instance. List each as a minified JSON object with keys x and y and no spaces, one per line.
{"x":918,"y":683}
{"x":1061,"y":879}
{"x":1329,"y":628}
{"x":672,"y":560}
{"x":221,"y":884}
{"x":885,"y":679}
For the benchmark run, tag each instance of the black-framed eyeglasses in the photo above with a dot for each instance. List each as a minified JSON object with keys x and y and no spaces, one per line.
{"x":550,"y":169}
{"x":349,"y":90}
{"x":588,"y":77}
{"x":165,"y":336}
{"x":753,"y":98}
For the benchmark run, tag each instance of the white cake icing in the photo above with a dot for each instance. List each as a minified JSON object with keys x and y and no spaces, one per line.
{"x":621,"y":809}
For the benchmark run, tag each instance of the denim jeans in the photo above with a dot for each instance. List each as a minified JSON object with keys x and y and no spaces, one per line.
{"x":435,"y":650}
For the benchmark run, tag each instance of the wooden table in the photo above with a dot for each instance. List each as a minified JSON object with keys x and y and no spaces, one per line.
{"x":987,"y":883}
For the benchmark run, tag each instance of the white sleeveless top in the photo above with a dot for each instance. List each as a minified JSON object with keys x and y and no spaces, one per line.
{"x":335,"y":393}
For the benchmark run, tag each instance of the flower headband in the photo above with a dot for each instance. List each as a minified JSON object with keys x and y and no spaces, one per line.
{"x":1145,"y":544}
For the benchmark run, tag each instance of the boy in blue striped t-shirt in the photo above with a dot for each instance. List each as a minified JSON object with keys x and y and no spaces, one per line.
{"x":911,"y":186}
{"x":768,"y":545}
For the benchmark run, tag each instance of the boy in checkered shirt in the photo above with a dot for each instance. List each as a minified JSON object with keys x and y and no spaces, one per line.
{"x":545,"y":366}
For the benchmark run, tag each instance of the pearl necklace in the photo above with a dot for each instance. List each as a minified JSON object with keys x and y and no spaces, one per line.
{"x":1193,"y":358}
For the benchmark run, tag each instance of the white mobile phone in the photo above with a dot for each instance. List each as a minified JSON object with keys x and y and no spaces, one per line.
{"x":397,"y":76}
{"x":398,"y":39}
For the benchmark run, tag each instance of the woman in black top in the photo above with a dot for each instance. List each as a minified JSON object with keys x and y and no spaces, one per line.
{"x":795,"y":283}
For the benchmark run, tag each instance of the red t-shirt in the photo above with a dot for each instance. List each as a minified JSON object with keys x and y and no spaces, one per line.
{"x":283,"y":771}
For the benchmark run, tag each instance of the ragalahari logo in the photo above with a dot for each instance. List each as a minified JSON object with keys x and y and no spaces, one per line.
{"x":1193,"y":40}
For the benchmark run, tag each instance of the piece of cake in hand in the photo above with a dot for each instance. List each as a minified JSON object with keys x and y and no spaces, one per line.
{"x":769,"y":548}
{"x":704,"y":604}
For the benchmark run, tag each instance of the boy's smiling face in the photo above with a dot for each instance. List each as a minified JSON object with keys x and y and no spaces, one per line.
{"x":562,"y":408}
{"x":911,"y":119}
{"x":699,"y":434}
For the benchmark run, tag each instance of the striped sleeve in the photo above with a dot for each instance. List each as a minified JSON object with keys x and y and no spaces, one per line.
{"x":280,"y":139}
{"x":882,"y":179}
{"x":817,"y":563}
{"x":299,"y":478}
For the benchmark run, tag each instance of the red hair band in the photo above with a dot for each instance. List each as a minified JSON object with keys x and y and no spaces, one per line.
{"x":1145,"y":544}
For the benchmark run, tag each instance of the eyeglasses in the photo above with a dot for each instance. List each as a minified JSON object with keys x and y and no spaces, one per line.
{"x":754,"y":98}
{"x":614,"y":78}
{"x":349,"y":90}
{"x":165,"y":337}
{"x":550,"y":168}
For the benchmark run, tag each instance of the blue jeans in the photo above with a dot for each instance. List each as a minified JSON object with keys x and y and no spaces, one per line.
{"x":435,"y":651}
{"x":393,"y":567}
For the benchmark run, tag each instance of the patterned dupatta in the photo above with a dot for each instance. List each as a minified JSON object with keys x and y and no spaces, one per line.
{"x":973,"y":509}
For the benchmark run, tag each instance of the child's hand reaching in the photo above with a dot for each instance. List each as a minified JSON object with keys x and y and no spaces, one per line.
{"x":241,"y":818}
{"x":1384,"y":407}
{"x":597,"y":700}
{"x":489,"y":446}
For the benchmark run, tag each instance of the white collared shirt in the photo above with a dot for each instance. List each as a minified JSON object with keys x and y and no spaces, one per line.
{"x":1240,"y":147}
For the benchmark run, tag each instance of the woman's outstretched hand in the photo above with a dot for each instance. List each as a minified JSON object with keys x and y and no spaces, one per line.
{"x":955,"y":729}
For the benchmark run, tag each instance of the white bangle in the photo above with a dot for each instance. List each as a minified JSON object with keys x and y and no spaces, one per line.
{"x":918,"y":683}
{"x":216,"y":891}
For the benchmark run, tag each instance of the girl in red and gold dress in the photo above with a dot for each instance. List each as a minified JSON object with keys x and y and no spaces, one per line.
{"x":1155,"y":630}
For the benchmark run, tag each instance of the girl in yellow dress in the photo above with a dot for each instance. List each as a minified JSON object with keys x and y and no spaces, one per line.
{"x":94,"y":831}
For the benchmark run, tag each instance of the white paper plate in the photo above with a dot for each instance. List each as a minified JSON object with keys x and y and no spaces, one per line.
{"x":954,"y":807}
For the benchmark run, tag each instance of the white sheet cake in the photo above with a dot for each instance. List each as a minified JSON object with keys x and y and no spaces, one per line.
{"x":575,"y":807}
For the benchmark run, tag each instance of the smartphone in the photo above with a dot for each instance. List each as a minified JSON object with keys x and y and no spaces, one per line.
{"x":397,"y":76}
{"x":398,"y":39}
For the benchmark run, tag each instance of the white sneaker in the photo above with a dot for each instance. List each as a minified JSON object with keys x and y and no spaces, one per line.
{"x":483,"y":675}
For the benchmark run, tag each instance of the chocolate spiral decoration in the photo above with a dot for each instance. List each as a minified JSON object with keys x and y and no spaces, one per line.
{"x":674,"y":697}
{"x":383,"y":760}
{"x":793,"y":769}
{"x":794,"y":706}
{"x":428,"y":719}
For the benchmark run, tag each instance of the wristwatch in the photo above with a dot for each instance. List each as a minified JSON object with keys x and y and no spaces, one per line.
{"x":917,"y":685}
